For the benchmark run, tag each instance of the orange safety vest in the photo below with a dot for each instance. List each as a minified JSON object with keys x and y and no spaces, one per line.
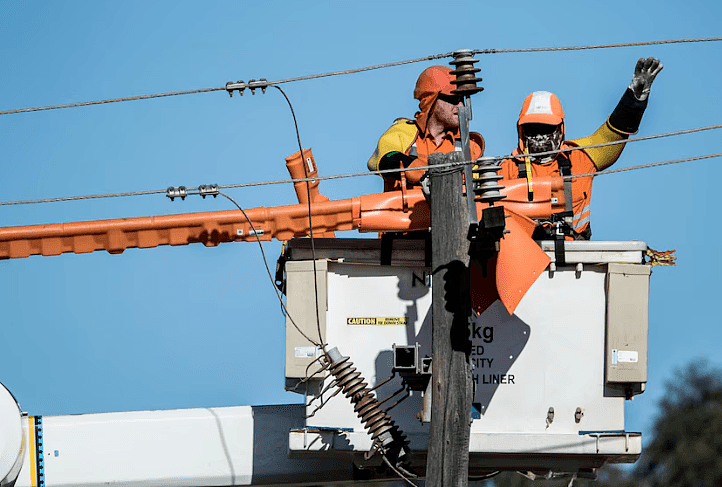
{"x":405,"y":137}
{"x":581,"y":188}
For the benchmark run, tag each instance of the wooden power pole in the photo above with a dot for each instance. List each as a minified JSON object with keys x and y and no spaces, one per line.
{"x":447,"y":463}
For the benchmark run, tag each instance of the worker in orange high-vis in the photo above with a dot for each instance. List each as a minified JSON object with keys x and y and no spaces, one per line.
{"x":435,"y":129}
{"x":541,"y":129}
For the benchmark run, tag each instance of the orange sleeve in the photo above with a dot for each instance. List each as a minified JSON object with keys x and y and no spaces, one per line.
{"x":508,"y":169}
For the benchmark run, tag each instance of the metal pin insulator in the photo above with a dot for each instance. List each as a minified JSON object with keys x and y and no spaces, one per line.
{"x":485,"y":183}
{"x":465,"y":73}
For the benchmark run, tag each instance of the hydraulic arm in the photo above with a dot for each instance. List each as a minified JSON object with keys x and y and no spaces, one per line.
{"x":396,"y":211}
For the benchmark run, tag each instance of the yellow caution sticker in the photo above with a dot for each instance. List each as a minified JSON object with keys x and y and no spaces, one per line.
{"x":378,"y":321}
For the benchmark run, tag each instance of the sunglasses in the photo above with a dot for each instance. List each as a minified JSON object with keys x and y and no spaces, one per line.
{"x":453,"y":99}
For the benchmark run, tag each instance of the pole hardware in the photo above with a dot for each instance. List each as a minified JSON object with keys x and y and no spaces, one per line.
{"x":252,"y":84}
{"x":181,"y":191}
{"x":465,"y":73}
{"x":388,"y":440}
{"x":465,"y":83}
{"x":415,"y":371}
{"x":578,"y":414}
{"x":486,"y":235}
{"x":208,"y":190}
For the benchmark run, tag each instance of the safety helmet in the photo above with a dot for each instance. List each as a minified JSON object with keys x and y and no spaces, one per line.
{"x":434,"y":80}
{"x":540,"y":107}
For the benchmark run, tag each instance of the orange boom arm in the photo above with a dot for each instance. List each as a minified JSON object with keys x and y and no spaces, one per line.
{"x":385,"y":212}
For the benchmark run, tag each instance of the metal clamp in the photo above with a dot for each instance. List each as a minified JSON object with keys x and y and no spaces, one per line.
{"x":179,"y":192}
{"x":252,"y":84}
{"x":208,"y":190}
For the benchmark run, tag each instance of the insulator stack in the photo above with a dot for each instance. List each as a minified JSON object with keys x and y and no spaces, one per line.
{"x":485,"y":183}
{"x":465,"y":73}
{"x":382,"y":428}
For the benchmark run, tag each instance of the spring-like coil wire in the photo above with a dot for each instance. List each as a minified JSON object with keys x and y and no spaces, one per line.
{"x":387,"y":437}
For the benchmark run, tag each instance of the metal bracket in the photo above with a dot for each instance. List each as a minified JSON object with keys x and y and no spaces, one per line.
{"x":464,"y":119}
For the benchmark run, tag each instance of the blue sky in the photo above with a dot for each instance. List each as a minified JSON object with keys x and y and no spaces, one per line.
{"x":194,"y":326}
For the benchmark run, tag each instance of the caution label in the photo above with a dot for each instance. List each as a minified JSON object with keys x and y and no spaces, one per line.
{"x":377,"y":321}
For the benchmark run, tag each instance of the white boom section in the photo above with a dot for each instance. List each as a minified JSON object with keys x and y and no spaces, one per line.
{"x":241,"y":445}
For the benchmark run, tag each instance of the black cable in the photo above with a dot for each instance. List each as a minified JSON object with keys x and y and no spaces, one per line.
{"x":310,"y":221}
{"x":268,"y":269}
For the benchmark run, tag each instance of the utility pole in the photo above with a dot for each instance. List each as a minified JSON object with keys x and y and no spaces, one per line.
{"x":447,"y":463}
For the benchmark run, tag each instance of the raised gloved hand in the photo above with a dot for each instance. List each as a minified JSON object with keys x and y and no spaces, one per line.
{"x":644,"y":73}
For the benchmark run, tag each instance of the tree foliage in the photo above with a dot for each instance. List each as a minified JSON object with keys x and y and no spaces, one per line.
{"x":686,"y":440}
{"x":686,"y":448}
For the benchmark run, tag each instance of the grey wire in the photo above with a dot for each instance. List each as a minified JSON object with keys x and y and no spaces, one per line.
{"x":603,"y":144}
{"x":268,"y":269}
{"x":112,"y":100}
{"x":380,"y":172}
{"x":86,"y":197}
{"x":643,"y":166}
{"x":387,"y":462}
{"x":593,"y":46}
{"x":367,"y":68}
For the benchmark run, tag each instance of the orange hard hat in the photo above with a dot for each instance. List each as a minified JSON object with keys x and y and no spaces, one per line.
{"x":541,"y":107}
{"x":434,"y":80}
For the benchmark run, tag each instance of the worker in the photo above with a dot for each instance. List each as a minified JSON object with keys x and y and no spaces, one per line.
{"x":541,"y":129}
{"x":408,"y":143}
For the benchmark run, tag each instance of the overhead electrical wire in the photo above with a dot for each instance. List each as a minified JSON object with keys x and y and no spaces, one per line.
{"x":268,"y":270}
{"x":594,"y":46}
{"x":321,"y":345}
{"x":367,"y":68}
{"x":643,"y":166}
{"x":310,"y":221}
{"x":386,"y":171}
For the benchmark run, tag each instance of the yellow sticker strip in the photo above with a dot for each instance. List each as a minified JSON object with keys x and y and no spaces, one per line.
{"x":33,"y":452}
{"x":378,"y":321}
{"x":530,"y":189}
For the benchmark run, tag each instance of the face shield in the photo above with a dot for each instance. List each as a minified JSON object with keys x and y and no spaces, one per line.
{"x":539,"y":137}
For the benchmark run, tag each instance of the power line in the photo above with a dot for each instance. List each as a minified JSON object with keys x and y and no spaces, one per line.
{"x":594,"y":46}
{"x":367,"y":68}
{"x":112,"y":100}
{"x":642,"y":166}
{"x":268,"y":270}
{"x":368,"y":173}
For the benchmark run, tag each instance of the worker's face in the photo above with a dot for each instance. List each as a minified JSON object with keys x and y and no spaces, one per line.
{"x":539,"y":137}
{"x":446,"y":111}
